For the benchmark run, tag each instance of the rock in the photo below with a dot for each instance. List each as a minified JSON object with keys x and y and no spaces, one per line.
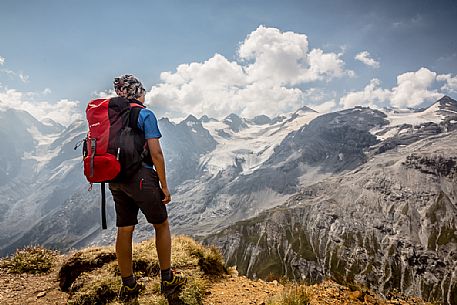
{"x":389,"y":224}
{"x":41,"y":294}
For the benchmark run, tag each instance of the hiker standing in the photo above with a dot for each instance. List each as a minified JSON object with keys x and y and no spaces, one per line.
{"x":146,"y":190}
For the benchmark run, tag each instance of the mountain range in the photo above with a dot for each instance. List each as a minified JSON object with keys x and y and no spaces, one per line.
{"x":359,"y":194}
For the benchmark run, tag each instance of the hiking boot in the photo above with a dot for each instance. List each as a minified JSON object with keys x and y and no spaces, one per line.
{"x":127,"y":293}
{"x":170,"y":287}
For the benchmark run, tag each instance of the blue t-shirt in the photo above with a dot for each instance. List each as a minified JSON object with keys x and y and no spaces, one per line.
{"x":147,"y":122}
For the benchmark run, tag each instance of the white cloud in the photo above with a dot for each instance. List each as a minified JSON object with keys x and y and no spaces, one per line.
{"x":63,"y":112}
{"x":2,"y":60}
{"x":324,"y":107}
{"x":412,"y":89}
{"x":277,"y":57}
{"x":451,"y":82}
{"x":23,"y":77}
{"x":104,"y":94}
{"x":263,"y":80}
{"x":371,"y":95}
{"x":365,"y":58}
{"x":324,"y":66}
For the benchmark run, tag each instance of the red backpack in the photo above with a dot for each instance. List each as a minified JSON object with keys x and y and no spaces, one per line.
{"x":114,"y":148}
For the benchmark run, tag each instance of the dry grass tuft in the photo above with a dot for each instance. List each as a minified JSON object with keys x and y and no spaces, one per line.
{"x":91,"y":276}
{"x":194,"y":291}
{"x":210,"y":259}
{"x":94,"y":288}
{"x":83,"y":261}
{"x":292,"y":295}
{"x":33,"y":259}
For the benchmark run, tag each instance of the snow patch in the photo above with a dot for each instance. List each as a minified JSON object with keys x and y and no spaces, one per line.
{"x":191,"y":124}
{"x":42,"y":154}
{"x":251,"y":146}
{"x":398,"y":117}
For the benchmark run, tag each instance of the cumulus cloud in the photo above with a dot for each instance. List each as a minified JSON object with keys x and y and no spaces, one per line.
{"x":412,"y":89}
{"x":450,"y":82}
{"x":63,"y":112}
{"x":104,"y":94}
{"x":264,"y":78}
{"x":365,"y":58}
{"x":371,"y":95}
{"x":325,"y":106}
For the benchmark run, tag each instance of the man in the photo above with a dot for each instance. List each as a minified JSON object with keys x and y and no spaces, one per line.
{"x":147,"y":191}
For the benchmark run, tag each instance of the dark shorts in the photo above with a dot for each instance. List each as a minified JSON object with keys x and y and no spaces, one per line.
{"x":141,"y":192}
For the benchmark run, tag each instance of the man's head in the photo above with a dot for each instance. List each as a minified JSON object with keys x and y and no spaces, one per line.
{"x":128,"y":86}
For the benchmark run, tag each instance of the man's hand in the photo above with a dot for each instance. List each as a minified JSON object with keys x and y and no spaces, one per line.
{"x":167,"y":196}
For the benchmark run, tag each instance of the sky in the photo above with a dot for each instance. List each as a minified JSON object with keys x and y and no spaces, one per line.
{"x":216,"y":57}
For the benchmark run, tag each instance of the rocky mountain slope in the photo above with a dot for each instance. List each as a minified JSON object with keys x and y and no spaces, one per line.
{"x":44,"y":193}
{"x":90,"y":276}
{"x":224,"y":171}
{"x":389,"y":224}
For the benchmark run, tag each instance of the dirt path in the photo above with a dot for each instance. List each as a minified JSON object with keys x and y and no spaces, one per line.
{"x":242,"y":291}
{"x":18,"y":289}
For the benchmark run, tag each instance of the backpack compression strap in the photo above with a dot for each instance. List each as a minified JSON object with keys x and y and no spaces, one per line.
{"x":92,"y":156}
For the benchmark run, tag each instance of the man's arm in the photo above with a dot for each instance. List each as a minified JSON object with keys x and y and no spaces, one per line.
{"x":159,"y":164}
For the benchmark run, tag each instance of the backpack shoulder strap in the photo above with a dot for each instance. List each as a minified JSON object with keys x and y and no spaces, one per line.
{"x":133,"y":116}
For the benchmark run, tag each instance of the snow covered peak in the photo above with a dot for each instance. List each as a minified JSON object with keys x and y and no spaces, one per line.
{"x":260,"y":120}
{"x":235,"y":122}
{"x":249,"y":142}
{"x":401,"y":120}
{"x":191,"y":118}
{"x":446,"y":107}
{"x":207,"y":119}
{"x":446,"y":100}
{"x":305,"y":109}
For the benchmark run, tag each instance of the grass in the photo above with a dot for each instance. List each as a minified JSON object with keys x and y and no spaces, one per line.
{"x":83,"y":261}
{"x":32,"y":259}
{"x":292,"y":295}
{"x":91,"y":276}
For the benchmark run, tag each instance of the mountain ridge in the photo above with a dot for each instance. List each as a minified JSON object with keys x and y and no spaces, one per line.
{"x":217,"y":175}
{"x":389,"y":224}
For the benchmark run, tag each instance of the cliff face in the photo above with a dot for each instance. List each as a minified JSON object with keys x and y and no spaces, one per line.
{"x":390,"y":224}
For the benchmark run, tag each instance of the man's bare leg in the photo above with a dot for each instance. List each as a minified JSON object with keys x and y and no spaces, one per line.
{"x":124,"y":250}
{"x":163,"y":244}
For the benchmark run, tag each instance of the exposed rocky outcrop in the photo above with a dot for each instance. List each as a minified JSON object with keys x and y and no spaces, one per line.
{"x":235,"y":123}
{"x":183,"y":144}
{"x":390,"y":224}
